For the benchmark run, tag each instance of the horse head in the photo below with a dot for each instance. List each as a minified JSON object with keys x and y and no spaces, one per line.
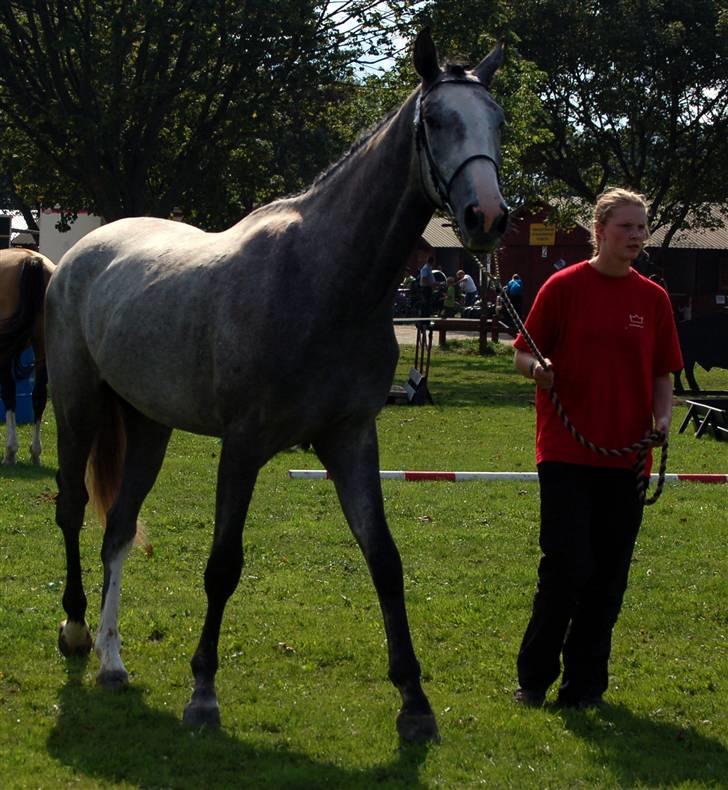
{"x":458,"y":128}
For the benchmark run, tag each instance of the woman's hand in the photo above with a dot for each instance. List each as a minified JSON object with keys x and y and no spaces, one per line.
{"x":543,"y":375}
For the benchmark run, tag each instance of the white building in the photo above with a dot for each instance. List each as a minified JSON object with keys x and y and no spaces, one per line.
{"x":53,"y":243}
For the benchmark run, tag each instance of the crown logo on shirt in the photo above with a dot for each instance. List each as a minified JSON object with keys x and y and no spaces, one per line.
{"x":637,"y":321}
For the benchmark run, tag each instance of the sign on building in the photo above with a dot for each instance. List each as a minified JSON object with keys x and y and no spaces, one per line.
{"x":541,"y":235}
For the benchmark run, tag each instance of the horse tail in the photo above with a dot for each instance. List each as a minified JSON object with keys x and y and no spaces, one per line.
{"x":105,"y":466}
{"x":106,"y":460}
{"x":16,"y":330}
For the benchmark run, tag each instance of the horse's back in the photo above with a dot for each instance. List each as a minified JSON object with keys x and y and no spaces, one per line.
{"x":12,"y":262}
{"x":24,"y":278}
{"x":117,"y":262}
{"x":132,"y":304}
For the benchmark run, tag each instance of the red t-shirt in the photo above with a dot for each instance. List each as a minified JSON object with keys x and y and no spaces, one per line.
{"x":608,"y":339}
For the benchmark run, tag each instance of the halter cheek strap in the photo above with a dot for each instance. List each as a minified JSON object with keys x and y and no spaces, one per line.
{"x":441,"y":186}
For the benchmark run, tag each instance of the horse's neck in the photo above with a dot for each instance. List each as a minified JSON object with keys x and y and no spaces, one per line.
{"x":372,"y":209}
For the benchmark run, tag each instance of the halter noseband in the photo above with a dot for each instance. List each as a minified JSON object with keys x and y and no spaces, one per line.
{"x":442,"y":187}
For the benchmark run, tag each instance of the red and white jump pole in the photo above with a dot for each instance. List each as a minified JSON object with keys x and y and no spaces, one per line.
{"x":459,"y":477}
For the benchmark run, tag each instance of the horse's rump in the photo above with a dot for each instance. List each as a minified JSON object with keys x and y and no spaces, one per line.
{"x":16,"y":329}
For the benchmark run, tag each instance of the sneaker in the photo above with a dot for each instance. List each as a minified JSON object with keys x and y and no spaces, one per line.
{"x":529,"y":698}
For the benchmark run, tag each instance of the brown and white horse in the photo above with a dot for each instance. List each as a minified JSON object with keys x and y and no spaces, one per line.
{"x":24,"y":277}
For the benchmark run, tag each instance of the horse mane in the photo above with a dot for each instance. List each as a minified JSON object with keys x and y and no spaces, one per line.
{"x":15,"y":331}
{"x":358,"y":144}
{"x":453,"y":69}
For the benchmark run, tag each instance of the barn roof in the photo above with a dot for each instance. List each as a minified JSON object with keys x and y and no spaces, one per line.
{"x":701,"y":239}
{"x":439,"y":234}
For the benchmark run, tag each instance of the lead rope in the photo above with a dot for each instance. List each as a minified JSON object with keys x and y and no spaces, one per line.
{"x":651,"y":440}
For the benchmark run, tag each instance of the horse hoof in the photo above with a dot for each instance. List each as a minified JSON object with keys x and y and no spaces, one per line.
{"x":9,"y":459}
{"x":34,"y":458}
{"x":202,"y":715}
{"x":112,"y":679}
{"x":74,"y":639}
{"x":418,"y":728}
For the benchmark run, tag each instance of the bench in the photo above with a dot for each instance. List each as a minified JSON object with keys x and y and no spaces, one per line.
{"x":442,"y":325}
{"x":707,"y":414}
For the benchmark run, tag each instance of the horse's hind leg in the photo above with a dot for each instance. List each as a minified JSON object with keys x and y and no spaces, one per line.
{"x":7,"y":393}
{"x":352,"y":458}
{"x":76,"y":423}
{"x":237,"y":473}
{"x":146,"y":444}
{"x":40,"y":399}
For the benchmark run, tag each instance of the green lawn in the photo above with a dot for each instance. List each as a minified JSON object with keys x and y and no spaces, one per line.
{"x":302,"y":682}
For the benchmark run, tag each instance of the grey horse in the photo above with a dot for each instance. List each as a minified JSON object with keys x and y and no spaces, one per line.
{"x":274,"y":332}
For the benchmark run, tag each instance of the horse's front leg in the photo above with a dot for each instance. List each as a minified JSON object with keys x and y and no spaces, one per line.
{"x":352,"y":458}
{"x":236,"y":478}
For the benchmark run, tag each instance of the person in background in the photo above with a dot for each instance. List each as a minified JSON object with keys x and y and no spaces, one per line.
{"x":427,"y":283}
{"x":514,"y":289}
{"x":609,"y":341}
{"x":451,"y":305}
{"x":468,"y":287}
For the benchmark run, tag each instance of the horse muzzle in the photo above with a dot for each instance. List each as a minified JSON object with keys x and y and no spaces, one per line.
{"x":481,"y":231}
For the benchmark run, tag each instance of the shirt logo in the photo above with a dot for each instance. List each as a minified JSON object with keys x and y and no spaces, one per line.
{"x":637,"y":321}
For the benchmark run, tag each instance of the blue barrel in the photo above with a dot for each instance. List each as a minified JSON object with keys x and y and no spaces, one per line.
{"x":24,"y":374}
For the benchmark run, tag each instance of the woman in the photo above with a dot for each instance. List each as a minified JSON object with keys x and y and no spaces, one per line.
{"x":609,"y":340}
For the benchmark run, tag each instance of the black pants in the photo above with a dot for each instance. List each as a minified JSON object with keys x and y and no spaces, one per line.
{"x":426,"y":306}
{"x":590,"y":518}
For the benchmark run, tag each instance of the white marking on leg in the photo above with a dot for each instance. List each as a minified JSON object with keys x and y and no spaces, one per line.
{"x":76,"y":636}
{"x":35,"y":445}
{"x":108,"y":640}
{"x":11,"y":444}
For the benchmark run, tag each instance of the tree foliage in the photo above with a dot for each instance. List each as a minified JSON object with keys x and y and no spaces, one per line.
{"x":632,"y":93}
{"x":130,"y":107}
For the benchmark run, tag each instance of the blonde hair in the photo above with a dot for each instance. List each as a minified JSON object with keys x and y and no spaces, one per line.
{"x":606,"y":203}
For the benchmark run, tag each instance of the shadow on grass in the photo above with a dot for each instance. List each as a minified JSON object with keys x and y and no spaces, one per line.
{"x":114,"y":737}
{"x":648,"y":753}
{"x":27,"y":471}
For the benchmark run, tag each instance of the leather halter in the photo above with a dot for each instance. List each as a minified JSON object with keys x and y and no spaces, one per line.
{"x":442,"y":187}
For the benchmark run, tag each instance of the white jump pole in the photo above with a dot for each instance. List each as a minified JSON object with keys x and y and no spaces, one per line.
{"x":459,"y":477}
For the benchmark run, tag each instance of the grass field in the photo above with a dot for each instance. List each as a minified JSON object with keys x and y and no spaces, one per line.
{"x":302,"y":683}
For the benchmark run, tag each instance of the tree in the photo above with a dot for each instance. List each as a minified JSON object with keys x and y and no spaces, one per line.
{"x":634,"y":93}
{"x":135,"y":107}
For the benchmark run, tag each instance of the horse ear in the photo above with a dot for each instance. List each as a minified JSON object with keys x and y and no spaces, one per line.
{"x":490,"y":64}
{"x":425,"y":56}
